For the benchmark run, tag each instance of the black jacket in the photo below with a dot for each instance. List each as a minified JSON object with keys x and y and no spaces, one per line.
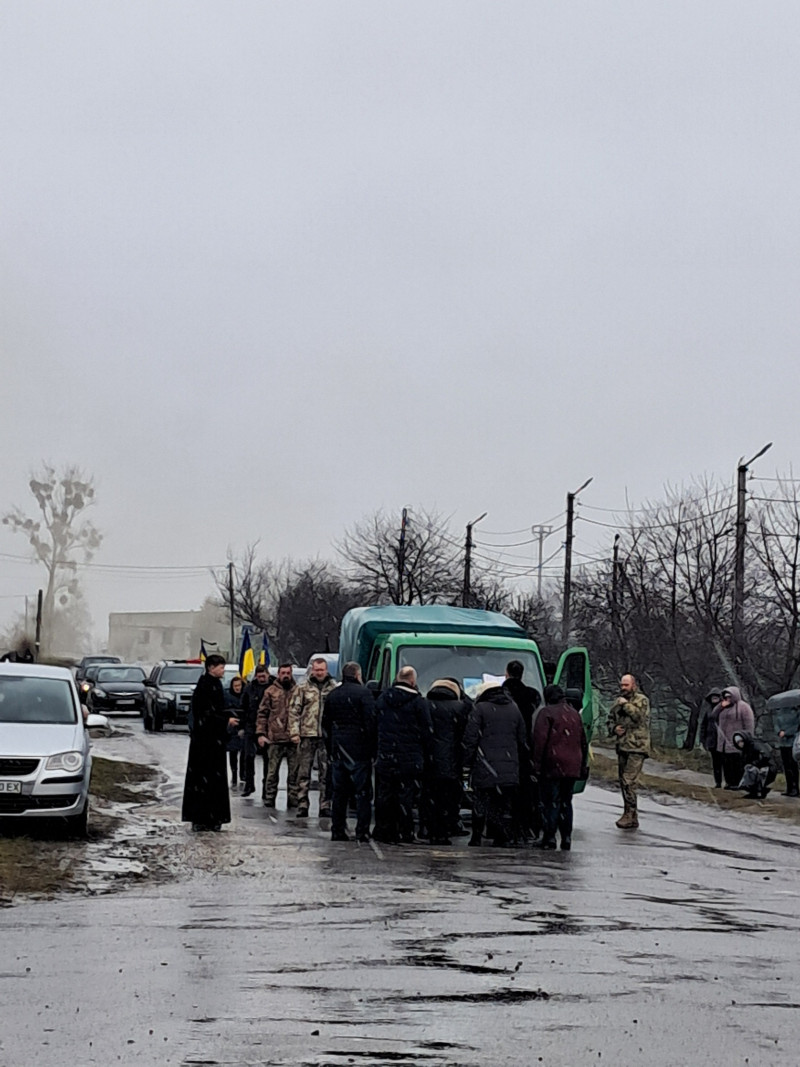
{"x":449,"y":718}
{"x":405,"y":732}
{"x":251,"y":699}
{"x":494,"y":741}
{"x":348,"y":723}
{"x":759,"y":753}
{"x":208,"y":714}
{"x":708,"y":724}
{"x":526,"y":699}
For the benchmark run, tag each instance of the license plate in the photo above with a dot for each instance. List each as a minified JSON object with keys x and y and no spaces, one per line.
{"x":10,"y":787}
{"x":125,"y":703}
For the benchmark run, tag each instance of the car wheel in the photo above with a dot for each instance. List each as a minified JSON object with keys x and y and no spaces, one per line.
{"x":78,"y":825}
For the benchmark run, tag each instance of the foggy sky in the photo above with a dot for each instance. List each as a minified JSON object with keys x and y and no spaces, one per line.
{"x":266,"y":267}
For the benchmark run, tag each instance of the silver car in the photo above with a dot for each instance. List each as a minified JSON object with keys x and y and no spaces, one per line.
{"x":45,"y":763}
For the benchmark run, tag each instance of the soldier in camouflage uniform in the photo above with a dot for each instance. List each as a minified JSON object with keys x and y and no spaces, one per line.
{"x":305,"y":727}
{"x":629,"y":727}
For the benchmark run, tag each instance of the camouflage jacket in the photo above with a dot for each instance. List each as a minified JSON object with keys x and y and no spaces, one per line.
{"x":273,"y":713}
{"x":634,"y":717}
{"x":305,"y":712}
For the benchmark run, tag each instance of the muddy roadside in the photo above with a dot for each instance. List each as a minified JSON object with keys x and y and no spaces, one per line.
{"x":124,"y":844}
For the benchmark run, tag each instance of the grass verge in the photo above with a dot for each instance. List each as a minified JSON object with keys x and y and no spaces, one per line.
{"x":605,"y":768}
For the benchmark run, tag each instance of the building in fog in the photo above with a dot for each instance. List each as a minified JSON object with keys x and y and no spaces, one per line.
{"x":148,"y":636}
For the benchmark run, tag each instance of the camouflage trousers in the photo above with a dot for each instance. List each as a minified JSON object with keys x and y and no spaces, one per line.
{"x":278,"y":752}
{"x":308,"y":748}
{"x":630,"y":771}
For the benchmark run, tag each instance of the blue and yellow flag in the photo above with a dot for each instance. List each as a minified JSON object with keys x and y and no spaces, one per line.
{"x":263,"y":658}
{"x":247,"y":661}
{"x":203,"y":651}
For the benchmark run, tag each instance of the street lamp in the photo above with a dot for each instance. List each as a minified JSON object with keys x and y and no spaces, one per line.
{"x":741,"y":531}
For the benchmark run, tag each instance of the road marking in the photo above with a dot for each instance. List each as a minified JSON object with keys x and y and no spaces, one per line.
{"x":375,"y":849}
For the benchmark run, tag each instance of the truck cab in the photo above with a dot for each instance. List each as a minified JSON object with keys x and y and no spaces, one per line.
{"x":462,"y":643}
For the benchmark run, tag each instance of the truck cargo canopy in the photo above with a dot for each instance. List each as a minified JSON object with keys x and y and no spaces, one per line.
{"x":361,"y":626}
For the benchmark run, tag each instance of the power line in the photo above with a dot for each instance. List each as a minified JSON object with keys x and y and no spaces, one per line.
{"x":123,"y":567}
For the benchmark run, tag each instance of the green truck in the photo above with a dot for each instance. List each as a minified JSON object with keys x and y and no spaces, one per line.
{"x":463,"y":643}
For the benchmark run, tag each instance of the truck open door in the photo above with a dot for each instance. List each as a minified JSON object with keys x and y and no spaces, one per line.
{"x":573,"y":674}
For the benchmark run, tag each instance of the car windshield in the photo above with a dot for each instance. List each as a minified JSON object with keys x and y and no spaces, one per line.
{"x":187,"y":675}
{"x":471,"y":665}
{"x":120,"y":674}
{"x":91,"y":672}
{"x":36,"y":700}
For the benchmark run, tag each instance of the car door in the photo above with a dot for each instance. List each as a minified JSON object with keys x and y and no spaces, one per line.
{"x":573,"y":674}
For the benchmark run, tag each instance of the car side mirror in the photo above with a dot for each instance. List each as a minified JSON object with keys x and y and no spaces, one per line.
{"x":149,"y":681}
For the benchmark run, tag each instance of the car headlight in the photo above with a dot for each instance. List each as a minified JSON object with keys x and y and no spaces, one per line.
{"x":100,"y":692}
{"x":165,"y":698}
{"x":65,"y":761}
{"x":85,"y":687}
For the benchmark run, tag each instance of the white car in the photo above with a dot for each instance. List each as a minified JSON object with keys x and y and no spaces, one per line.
{"x":45,"y":763}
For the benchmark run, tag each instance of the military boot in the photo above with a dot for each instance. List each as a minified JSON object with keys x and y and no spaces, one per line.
{"x":629,"y":820}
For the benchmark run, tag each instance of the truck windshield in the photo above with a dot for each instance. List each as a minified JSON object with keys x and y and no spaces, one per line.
{"x":469,"y":664}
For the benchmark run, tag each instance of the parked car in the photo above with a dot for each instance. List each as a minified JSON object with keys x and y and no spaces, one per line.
{"x":45,"y":761}
{"x":168,"y":693}
{"x":87,"y":661}
{"x":119,"y":688}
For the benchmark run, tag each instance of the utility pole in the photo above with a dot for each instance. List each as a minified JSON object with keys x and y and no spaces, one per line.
{"x":615,"y":587}
{"x":401,"y":555}
{"x":465,"y":593}
{"x":26,"y":615}
{"x":38,"y":642}
{"x":230,"y":601}
{"x":568,"y":560}
{"x":741,"y":533}
{"x":542,"y":532}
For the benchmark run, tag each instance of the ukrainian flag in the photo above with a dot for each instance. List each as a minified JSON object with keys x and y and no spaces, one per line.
{"x":247,"y":661}
{"x":263,"y":658}
{"x":203,"y":651}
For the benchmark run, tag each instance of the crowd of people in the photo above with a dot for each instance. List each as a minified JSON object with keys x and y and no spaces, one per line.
{"x":738,"y":757}
{"x":508,"y":755}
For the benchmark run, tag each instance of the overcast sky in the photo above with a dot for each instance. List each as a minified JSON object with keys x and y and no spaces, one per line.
{"x":266,"y":267}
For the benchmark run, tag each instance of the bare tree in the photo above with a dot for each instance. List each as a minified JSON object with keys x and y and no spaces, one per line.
{"x":310,"y":610}
{"x":257,"y":588}
{"x":60,"y":535}
{"x":419,"y":565}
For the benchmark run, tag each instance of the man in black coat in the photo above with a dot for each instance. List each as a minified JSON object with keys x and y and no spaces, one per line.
{"x":528,"y":700}
{"x":405,"y":736}
{"x":442,"y":792}
{"x":206,"y":802}
{"x":251,"y":701}
{"x":348,"y":730}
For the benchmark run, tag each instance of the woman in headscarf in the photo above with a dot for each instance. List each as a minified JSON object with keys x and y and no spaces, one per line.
{"x":735,"y":716}
{"x":206,"y":801}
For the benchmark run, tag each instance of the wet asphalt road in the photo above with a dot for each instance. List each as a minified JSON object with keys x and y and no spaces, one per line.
{"x":268,"y":944}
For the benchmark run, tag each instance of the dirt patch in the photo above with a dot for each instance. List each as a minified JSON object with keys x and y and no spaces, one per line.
{"x":604,"y":769}
{"x":121,"y":782}
{"x":33,"y":866}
